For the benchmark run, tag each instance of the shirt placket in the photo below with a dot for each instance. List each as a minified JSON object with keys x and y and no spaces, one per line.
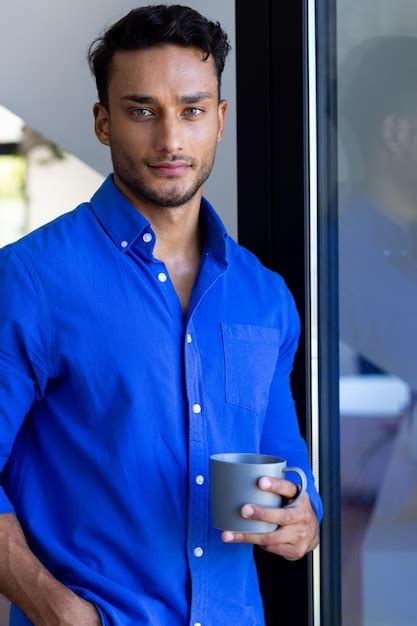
{"x":144,"y":248}
{"x":198,"y":503}
{"x":198,"y":497}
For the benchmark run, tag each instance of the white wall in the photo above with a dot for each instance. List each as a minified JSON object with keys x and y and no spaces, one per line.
{"x":45,"y":79}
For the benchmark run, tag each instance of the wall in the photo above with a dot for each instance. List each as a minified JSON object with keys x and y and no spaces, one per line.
{"x":45,"y":79}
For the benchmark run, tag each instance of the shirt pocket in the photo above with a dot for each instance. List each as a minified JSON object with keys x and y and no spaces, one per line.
{"x":250,"y":355}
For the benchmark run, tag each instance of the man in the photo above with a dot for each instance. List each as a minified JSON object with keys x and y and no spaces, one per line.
{"x":137,"y":338}
{"x":378,"y":207}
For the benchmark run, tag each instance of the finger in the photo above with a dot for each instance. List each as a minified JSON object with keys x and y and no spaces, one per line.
{"x":301,"y":513}
{"x":230,"y":536}
{"x":280,"y":486}
{"x":294,"y":535}
{"x":302,"y":537}
{"x":281,"y":517}
{"x":292,"y":543}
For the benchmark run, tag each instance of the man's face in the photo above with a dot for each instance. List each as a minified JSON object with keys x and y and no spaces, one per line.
{"x":163,"y":123}
{"x":397,"y":147}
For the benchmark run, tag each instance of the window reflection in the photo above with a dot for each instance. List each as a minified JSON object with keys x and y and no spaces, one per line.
{"x":377,"y":125}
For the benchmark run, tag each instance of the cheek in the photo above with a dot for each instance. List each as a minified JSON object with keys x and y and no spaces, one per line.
{"x":202,"y":137}
{"x":128,"y":133}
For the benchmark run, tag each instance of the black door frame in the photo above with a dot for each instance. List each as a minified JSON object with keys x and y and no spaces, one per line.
{"x":271,"y":215}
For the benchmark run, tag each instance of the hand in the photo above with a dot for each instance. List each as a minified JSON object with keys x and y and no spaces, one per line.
{"x":298,"y":531}
{"x":72,"y":611}
{"x":81,"y":613}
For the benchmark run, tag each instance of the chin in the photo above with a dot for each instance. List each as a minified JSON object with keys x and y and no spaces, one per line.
{"x":167,"y":192}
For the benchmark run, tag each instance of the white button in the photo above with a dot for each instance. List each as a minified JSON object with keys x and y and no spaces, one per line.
{"x":198,"y":551}
{"x":162,"y":277}
{"x":147,"y":237}
{"x":199,"y":479}
{"x":189,"y":338}
{"x":196,"y":408}
{"x":197,"y":623}
{"x":124,"y":243}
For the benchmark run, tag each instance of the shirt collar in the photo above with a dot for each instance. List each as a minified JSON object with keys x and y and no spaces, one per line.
{"x":215,"y":232}
{"x":125,"y":224}
{"x":119,"y":218}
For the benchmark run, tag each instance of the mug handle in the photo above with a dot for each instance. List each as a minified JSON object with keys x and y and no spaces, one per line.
{"x":303,"y":477}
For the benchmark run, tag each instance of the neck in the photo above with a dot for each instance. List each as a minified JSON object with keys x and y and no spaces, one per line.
{"x":392,"y":200}
{"x":177,"y":229}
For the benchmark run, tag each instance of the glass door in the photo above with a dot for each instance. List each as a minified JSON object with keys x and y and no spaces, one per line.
{"x":362,"y":109}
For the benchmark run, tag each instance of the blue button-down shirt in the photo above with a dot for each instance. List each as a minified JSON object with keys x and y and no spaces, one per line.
{"x":112,"y":401}
{"x":378,"y":286}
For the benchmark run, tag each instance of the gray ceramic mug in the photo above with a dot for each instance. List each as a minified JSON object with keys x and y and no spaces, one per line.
{"x":234,"y":482}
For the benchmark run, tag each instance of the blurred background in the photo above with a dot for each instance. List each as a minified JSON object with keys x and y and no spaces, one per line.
{"x":38,"y":179}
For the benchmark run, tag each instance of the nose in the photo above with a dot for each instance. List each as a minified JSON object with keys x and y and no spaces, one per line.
{"x":169,"y":134}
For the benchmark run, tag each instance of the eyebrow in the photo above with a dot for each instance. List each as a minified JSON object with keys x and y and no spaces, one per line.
{"x":192,"y":98}
{"x":196,"y":97}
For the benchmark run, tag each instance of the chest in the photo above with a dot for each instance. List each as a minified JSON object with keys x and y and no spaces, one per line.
{"x":183,"y":275}
{"x":125,"y":331}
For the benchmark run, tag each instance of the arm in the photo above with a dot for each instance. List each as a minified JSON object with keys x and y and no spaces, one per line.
{"x":298,"y":530}
{"x":24,"y":349}
{"x":27,"y":583}
{"x":281,"y":433}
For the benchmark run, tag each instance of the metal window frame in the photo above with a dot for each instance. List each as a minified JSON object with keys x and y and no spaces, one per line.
{"x":322,"y":298}
{"x":312,"y":294}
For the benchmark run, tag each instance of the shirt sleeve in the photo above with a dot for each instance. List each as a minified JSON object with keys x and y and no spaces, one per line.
{"x":23,"y":335}
{"x":281,"y":434}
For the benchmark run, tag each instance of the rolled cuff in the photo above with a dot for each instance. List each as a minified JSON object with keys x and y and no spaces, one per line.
{"x":5,"y":505}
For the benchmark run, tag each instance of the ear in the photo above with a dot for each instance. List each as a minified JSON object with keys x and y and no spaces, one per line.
{"x":396,"y":133}
{"x":101,"y":123}
{"x":222,"y":109}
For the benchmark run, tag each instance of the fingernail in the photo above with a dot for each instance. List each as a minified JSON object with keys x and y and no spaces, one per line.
{"x":265,"y":483}
{"x":228,"y":536}
{"x":247,"y":511}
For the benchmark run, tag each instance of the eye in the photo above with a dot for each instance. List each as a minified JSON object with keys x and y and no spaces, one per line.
{"x":141,"y":113}
{"x":193,"y":111}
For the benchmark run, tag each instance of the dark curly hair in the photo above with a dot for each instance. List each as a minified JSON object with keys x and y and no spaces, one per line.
{"x":152,"y":26}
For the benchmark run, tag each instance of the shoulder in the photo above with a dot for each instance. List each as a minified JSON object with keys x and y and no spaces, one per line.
{"x":52,"y":239}
{"x":268,"y":292}
{"x":249,"y":266}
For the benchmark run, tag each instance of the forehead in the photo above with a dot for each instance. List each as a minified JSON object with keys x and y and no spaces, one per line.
{"x":163,"y":69}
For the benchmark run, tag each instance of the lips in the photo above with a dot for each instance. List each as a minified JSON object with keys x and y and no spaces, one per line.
{"x":175,"y":168}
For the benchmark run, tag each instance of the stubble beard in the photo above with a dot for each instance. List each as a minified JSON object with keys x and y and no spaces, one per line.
{"x":126,"y":170}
